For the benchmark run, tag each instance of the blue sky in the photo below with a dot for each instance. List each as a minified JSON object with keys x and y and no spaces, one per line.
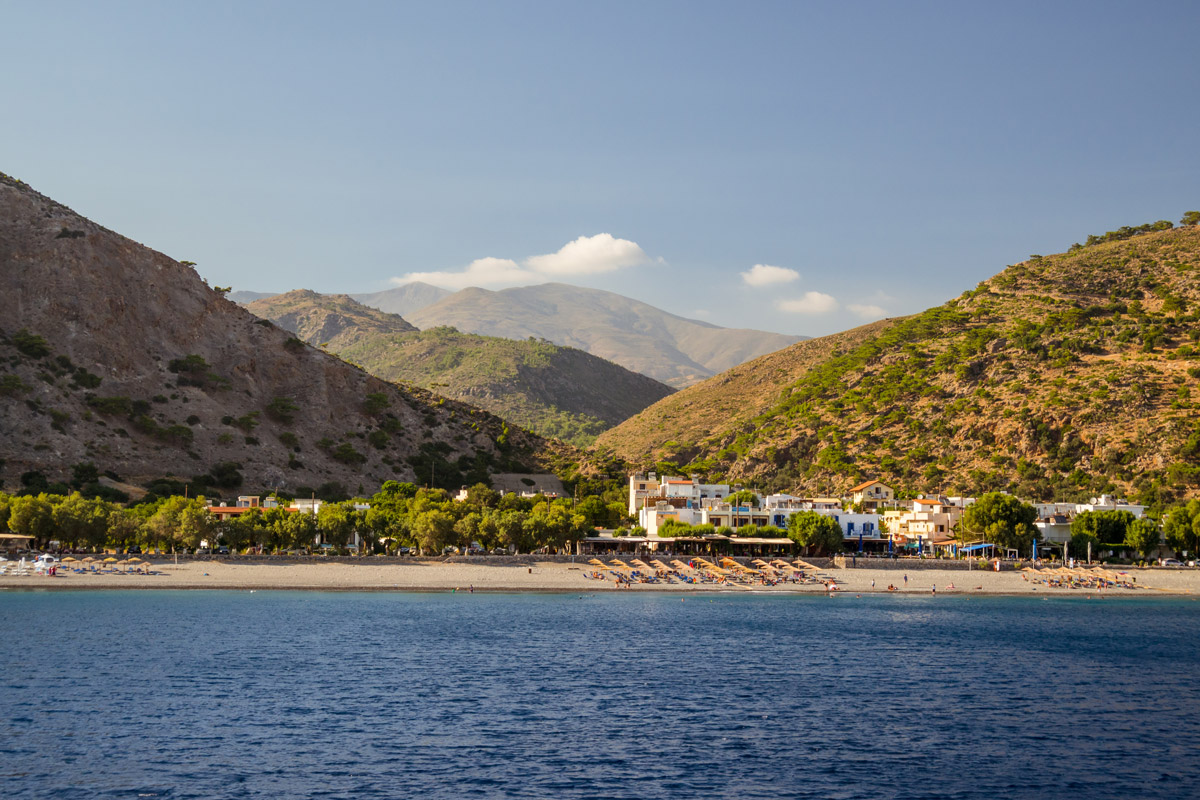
{"x":883,"y":156}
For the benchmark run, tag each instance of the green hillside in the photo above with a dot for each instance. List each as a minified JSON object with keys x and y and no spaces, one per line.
{"x":1060,"y":377}
{"x":556,"y":391}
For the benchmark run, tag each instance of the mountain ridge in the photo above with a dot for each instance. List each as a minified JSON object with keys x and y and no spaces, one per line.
{"x":552,"y":390}
{"x":114,"y":354}
{"x":1062,"y":376}
{"x":675,"y":350}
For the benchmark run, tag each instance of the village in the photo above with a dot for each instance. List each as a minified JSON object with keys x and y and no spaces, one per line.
{"x":873,"y":520}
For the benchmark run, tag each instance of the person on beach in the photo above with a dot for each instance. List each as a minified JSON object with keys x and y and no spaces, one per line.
{"x":934,"y":589}
{"x":906,"y":579}
{"x":872,"y":584}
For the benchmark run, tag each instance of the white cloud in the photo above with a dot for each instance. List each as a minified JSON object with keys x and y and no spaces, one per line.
{"x":766,"y":275}
{"x":811,"y":303}
{"x":587,"y":255}
{"x":867,"y":311}
{"x":480,"y":272}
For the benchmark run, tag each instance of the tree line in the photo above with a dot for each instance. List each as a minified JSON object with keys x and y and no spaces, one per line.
{"x":399,"y":515}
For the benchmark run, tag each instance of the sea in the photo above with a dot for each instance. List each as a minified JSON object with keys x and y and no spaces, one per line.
{"x":266,"y":694}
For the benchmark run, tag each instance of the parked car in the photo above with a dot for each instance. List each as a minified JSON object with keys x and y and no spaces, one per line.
{"x":499,"y":551}
{"x":1171,"y":562}
{"x":404,"y":551}
{"x":133,"y":551}
{"x":222,"y":551}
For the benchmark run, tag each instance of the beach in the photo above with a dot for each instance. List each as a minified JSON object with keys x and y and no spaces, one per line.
{"x":522,"y":576}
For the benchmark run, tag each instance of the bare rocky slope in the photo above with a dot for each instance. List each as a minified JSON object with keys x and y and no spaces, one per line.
{"x":554,"y":391}
{"x":117,"y":355}
{"x":1061,"y":377}
{"x":640,"y":337}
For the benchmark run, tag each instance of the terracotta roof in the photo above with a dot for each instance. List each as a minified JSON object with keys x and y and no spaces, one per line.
{"x":862,"y":486}
{"x":928,"y":502}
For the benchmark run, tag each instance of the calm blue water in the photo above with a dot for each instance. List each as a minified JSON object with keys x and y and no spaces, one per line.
{"x":631,"y":695}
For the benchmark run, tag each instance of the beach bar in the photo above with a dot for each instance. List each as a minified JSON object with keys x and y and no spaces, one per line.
{"x":687,"y":545}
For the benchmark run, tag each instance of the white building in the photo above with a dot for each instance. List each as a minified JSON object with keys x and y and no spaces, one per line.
{"x":647,"y":489}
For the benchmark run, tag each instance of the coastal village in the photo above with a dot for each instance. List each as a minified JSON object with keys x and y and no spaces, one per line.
{"x":872,"y":519}
{"x":874,"y":522}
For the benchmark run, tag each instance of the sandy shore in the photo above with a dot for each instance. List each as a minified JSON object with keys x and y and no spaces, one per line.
{"x":439,"y":576}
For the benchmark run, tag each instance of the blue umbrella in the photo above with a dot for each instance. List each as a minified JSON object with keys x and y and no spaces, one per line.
{"x":889,"y":546}
{"x":860,"y":544}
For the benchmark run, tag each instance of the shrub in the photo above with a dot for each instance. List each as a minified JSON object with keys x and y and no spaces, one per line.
{"x":11,"y":386}
{"x":110,"y":405}
{"x":346,"y":454}
{"x":30,"y":344}
{"x":375,"y":403}
{"x":282,"y":409}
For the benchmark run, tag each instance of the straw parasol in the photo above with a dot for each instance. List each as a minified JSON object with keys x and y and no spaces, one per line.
{"x":729,"y":562}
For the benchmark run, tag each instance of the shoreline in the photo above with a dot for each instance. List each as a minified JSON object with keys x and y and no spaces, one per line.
{"x":565,"y":578}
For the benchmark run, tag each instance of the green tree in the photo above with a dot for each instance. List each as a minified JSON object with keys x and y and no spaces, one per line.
{"x":81,"y":521}
{"x":1078,"y":544}
{"x":165,"y":525}
{"x":815,"y":531}
{"x":482,"y":496}
{"x":434,"y":530}
{"x":1108,"y":527}
{"x":1182,"y":527}
{"x":196,"y":523}
{"x":1002,"y":520}
{"x":466,"y":530}
{"x":300,"y":530}
{"x":32,"y":515}
{"x":1190,"y":218}
{"x":510,"y":530}
{"x":336,"y":522}
{"x":596,"y":513}
{"x":746,"y":497}
{"x":1143,"y":536}
{"x":124,"y":527}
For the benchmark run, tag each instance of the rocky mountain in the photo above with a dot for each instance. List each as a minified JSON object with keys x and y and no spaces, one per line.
{"x":555,"y":391}
{"x":116,"y":355}
{"x":245,"y":297}
{"x":1062,"y":376}
{"x":331,"y":320}
{"x":402,"y":300}
{"x":640,"y":337}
